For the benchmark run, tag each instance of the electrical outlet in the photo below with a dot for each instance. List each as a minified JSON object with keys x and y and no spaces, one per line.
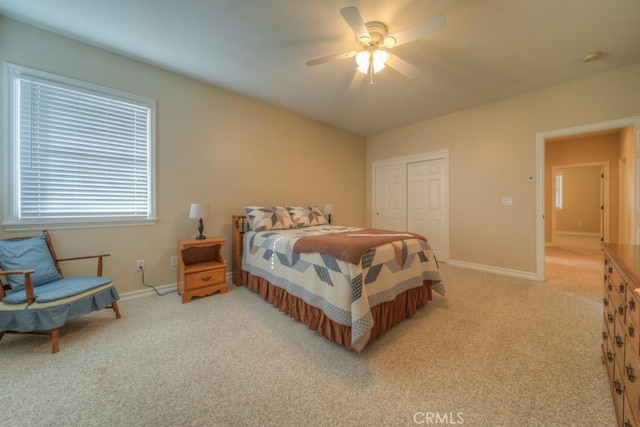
{"x":140,"y":264}
{"x":174,"y":261}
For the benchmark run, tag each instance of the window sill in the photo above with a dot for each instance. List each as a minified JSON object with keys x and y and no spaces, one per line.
{"x":74,"y":224}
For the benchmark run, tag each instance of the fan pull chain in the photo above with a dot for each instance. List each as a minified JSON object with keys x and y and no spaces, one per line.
{"x":371,"y":71}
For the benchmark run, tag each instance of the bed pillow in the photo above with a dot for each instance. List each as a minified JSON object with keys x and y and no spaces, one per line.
{"x":306,"y":216}
{"x":274,"y":218}
{"x":28,"y":254}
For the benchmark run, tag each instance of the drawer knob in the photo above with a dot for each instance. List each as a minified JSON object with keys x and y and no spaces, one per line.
{"x":610,"y":317}
{"x":610,"y":287}
{"x":605,"y":335}
{"x":629,"y":371}
{"x":632,"y":304}
{"x":206,"y":278}
{"x":610,"y":357}
{"x":605,"y":302}
{"x":619,"y":341}
{"x":621,"y":286}
{"x":631,"y":330}
{"x":621,"y":310}
{"x":617,"y":386}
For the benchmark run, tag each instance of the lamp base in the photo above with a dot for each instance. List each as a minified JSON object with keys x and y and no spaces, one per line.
{"x":200,"y":229}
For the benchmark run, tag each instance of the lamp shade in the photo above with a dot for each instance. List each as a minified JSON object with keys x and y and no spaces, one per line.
{"x":199,"y":210}
{"x":328,"y":209}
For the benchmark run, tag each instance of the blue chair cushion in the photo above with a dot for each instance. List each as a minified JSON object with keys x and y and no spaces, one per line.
{"x":28,"y":254}
{"x":62,"y":288}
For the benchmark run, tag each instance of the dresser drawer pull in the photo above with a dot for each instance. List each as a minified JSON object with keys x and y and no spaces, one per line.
{"x":605,"y":302}
{"x":632,"y":304}
{"x":610,"y":269}
{"x":630,"y":374}
{"x":621,"y":310}
{"x":610,"y":357}
{"x":621,"y":286}
{"x":206,"y":278}
{"x":627,"y":423}
{"x":619,"y":341}
{"x":617,"y":386}
{"x":605,"y":335}
{"x":631,"y":330}
{"x":610,"y":317}
{"x":610,"y":287}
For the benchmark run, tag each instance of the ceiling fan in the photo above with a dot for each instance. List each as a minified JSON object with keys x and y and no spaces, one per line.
{"x":372,"y":55}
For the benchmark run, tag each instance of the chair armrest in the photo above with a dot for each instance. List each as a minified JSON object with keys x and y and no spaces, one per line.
{"x":6,"y":273}
{"x":28,"y":285}
{"x":99,"y":270}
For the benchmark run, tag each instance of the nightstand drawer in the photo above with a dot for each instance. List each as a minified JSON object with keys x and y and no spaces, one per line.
{"x":205,"y":278}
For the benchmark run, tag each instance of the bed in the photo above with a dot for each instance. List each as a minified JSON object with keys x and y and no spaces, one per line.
{"x":349,"y":284}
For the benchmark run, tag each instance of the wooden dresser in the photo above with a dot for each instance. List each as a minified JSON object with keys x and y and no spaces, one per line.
{"x":621,"y":329}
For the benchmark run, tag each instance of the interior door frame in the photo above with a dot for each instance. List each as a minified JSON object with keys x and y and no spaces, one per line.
{"x":420,"y":157}
{"x":541,"y":139}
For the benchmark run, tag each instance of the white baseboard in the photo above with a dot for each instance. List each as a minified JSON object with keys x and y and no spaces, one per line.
{"x":495,"y":270}
{"x":162,"y":289}
{"x":577,"y":233}
{"x":148,"y":291}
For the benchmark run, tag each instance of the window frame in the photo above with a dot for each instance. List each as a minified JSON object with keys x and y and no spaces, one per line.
{"x":11,"y":172}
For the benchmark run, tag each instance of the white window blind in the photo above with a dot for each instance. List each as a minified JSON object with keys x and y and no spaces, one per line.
{"x":83,"y":153}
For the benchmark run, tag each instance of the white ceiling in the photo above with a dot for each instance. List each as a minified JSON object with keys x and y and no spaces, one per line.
{"x":490,"y":50}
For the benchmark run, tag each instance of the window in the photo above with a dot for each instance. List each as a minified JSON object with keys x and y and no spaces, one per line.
{"x":77,"y":154}
{"x":559,"y":200}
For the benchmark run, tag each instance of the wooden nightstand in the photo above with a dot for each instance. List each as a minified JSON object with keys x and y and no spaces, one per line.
{"x":202,"y":269}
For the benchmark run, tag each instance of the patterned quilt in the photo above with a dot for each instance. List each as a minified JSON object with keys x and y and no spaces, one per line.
{"x":345,"y":292}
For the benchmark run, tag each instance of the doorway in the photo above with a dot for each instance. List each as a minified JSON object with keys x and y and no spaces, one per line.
{"x":609,"y":142}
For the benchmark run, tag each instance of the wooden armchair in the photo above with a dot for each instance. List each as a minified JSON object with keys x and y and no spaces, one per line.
{"x":36,"y":299}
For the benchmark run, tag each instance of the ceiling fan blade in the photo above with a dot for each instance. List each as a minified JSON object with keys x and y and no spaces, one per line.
{"x":356,"y":82}
{"x":355,"y":21}
{"x":331,"y":58}
{"x":403,"y":67}
{"x":432,"y":25}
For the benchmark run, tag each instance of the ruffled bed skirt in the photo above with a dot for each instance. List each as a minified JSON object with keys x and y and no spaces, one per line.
{"x":385,"y":315}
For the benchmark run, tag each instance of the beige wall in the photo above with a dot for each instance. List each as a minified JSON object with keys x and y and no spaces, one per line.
{"x":492,"y":150}
{"x":212,"y":146}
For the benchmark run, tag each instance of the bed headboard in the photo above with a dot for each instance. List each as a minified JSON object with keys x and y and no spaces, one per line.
{"x":239,"y":225}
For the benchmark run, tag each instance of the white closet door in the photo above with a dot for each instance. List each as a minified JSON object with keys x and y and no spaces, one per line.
{"x":391,"y":197}
{"x":427,"y":203}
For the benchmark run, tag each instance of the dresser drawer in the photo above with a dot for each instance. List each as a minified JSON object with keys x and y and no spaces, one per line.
{"x":609,"y":357}
{"x":633,"y":306}
{"x":632,"y":379}
{"x":617,"y":281}
{"x":617,"y":391}
{"x":205,"y":278}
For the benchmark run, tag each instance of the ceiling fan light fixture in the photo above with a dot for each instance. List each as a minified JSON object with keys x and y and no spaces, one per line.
{"x":376,"y":60}
{"x":379,"y":58}
{"x":363,"y":59}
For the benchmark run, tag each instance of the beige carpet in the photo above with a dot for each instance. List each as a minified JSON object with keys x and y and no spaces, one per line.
{"x":497,"y":351}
